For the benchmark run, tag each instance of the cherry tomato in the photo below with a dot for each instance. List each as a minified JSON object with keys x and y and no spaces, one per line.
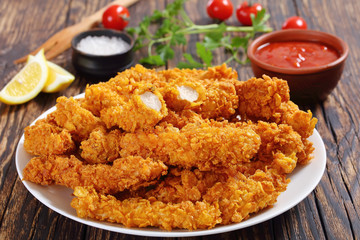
{"x":294,"y":22}
{"x":244,"y":11}
{"x":116,"y":17}
{"x":219,"y":9}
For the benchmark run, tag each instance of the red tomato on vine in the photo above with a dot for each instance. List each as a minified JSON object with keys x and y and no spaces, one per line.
{"x":116,"y":17}
{"x":219,"y":9}
{"x":294,"y":22}
{"x":244,"y":11}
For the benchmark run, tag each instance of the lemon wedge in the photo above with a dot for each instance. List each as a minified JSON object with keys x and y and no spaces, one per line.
{"x":28,"y":83}
{"x":58,"y":78}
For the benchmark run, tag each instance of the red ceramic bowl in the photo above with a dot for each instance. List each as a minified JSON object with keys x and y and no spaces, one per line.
{"x":307,"y":85}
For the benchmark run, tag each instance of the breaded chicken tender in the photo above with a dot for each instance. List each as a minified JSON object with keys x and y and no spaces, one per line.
{"x":138,"y":212}
{"x":278,"y":142}
{"x":269,"y":99}
{"x":300,"y":121}
{"x":184,"y":185}
{"x":210,"y":93}
{"x":236,"y":197}
{"x":125,"y":173}
{"x":77,"y":120}
{"x":45,"y":138}
{"x":181,"y":119}
{"x":239,"y":196}
{"x":126,"y":104}
{"x":195,"y":145}
{"x":101,"y":146}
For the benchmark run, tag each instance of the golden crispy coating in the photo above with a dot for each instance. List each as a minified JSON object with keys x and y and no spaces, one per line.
{"x":239,"y":196}
{"x":221,"y":100}
{"x":261,"y":97}
{"x":195,"y":145}
{"x":269,"y":99}
{"x":229,"y":146}
{"x":221,"y":72}
{"x":126,"y":104}
{"x":138,"y":212}
{"x":138,"y":73}
{"x":278,"y":143}
{"x":45,"y":138}
{"x":301,"y":121}
{"x":236,"y":197}
{"x":100,"y":96}
{"x":125,"y":173}
{"x":184,"y":185}
{"x":192,"y":185}
{"x":216,"y":93}
{"x":181,"y":119}
{"x":72,"y":117}
{"x":215,"y":87}
{"x":101,"y":146}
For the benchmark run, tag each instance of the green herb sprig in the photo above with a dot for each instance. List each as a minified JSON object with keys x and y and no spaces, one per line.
{"x":172,"y":25}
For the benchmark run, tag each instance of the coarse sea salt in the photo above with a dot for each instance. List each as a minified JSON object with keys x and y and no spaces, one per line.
{"x":102,"y":45}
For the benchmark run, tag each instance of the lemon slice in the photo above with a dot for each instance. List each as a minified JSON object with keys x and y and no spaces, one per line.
{"x":27,"y":84}
{"x":58,"y":78}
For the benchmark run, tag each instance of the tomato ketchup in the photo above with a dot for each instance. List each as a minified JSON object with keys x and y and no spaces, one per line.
{"x":296,"y":54}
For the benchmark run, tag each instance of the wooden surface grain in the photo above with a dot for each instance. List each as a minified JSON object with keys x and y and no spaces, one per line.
{"x":331,"y":211}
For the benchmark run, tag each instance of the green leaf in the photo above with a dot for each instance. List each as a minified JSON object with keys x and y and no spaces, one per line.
{"x":173,"y":9}
{"x":157,"y":15}
{"x":132,"y":30}
{"x":205,"y":54}
{"x":165,"y":52}
{"x":178,"y":38}
{"x":191,"y":62}
{"x":238,"y":42}
{"x":258,"y":19}
{"x":153,"y":60}
{"x":210,"y":43}
{"x":163,"y":29}
{"x":217,"y":34}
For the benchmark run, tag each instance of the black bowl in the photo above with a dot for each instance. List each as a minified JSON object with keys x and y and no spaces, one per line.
{"x":102,"y":66}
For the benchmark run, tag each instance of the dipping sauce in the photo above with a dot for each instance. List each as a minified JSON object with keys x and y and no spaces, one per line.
{"x":295,"y":54}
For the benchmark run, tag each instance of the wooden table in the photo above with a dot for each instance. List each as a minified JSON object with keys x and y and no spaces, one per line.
{"x":331,"y":211}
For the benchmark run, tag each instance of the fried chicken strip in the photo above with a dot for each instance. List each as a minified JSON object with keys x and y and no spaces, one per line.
{"x":236,"y":197}
{"x":239,"y":196}
{"x":195,"y":145}
{"x":125,"y":173}
{"x":45,"y":138}
{"x":126,"y":104}
{"x":192,"y":185}
{"x":181,"y":119}
{"x":211,"y":92}
{"x":137,"y":212}
{"x":181,"y":185}
{"x":278,"y":143}
{"x":269,"y":99}
{"x":101,"y":146}
{"x":77,"y":120}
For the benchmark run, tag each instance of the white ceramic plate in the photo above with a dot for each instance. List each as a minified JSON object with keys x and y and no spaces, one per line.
{"x":303,"y":181}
